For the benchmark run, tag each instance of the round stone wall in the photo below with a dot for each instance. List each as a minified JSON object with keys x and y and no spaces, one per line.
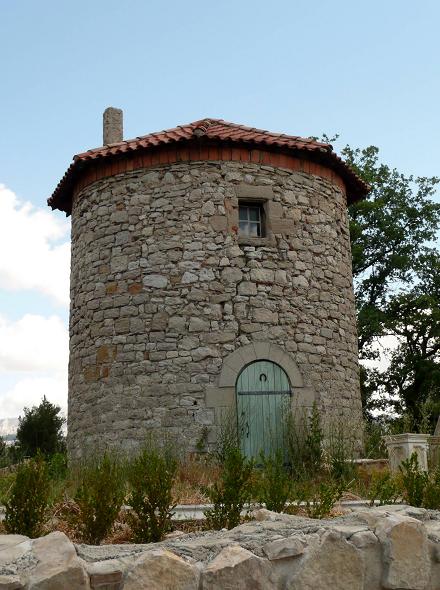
{"x":169,"y":303}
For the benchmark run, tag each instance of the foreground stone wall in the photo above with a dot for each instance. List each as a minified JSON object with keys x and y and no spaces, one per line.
{"x":163,"y":291}
{"x":387,"y":548}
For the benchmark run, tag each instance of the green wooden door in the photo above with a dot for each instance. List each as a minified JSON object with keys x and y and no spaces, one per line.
{"x":263,"y":397}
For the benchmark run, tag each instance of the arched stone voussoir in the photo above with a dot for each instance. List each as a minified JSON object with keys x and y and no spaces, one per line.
{"x":235,"y":362}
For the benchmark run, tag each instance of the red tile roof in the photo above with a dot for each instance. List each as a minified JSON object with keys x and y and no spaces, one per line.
{"x":215,"y":130}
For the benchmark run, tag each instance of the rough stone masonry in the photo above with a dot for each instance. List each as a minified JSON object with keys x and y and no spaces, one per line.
{"x":169,"y":302}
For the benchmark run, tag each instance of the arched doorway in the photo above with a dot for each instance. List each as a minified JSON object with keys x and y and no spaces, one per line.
{"x":263,"y":397}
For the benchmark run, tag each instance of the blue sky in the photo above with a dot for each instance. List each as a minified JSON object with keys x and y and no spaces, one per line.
{"x":368,"y":71}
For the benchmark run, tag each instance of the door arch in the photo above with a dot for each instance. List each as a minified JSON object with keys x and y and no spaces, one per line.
{"x":263,"y":395}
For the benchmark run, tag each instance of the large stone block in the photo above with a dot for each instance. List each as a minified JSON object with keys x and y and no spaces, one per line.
{"x":405,"y":553}
{"x":162,"y":570}
{"x":238,"y":569}
{"x":332,"y":563}
{"x":58,"y":565}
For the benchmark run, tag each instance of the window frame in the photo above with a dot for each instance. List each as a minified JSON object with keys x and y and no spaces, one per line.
{"x":260,"y":222}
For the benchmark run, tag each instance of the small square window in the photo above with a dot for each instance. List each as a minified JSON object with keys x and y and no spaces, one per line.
{"x":251,"y":220}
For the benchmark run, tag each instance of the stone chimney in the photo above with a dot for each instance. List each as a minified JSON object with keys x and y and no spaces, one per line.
{"x":112,"y":126}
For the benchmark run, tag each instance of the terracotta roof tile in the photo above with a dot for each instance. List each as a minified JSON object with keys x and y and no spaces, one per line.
{"x":213,"y":129}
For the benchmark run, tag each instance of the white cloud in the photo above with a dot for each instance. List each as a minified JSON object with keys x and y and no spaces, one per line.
{"x":30,"y":258}
{"x":33,"y":343}
{"x":28,"y":392}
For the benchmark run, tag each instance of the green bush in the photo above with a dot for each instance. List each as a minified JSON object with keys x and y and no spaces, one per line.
{"x":57,"y":466}
{"x":420,"y":488}
{"x":6,"y":482}
{"x":321,"y":499}
{"x":274,"y":482}
{"x":431,"y":496}
{"x":151,"y":477}
{"x":28,"y":499}
{"x":227,"y":435}
{"x":384,"y":489}
{"x":342,"y":437}
{"x":374,"y":444}
{"x":304,"y":442}
{"x":414,"y":481}
{"x":231,"y":492}
{"x":99,"y":496}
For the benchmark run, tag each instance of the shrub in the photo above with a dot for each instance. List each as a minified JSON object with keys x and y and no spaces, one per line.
{"x":274,"y":482}
{"x":99,"y":497}
{"x":57,"y":466}
{"x":231,"y":492}
{"x":151,"y":478}
{"x":28,"y":499}
{"x":227,"y":436}
{"x":431,"y":496}
{"x":342,"y":437}
{"x":321,"y":499}
{"x":414,"y":481}
{"x":40,"y":430}
{"x":374,"y":444}
{"x":304,"y":442}
{"x":384,"y":489}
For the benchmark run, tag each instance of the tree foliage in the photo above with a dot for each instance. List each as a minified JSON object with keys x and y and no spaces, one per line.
{"x":396,"y":268}
{"x":40,"y":429}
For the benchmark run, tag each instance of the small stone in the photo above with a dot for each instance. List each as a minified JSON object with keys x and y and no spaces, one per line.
{"x":247,"y":288}
{"x":262,"y":275}
{"x":265,"y":316}
{"x":198,"y":325}
{"x":156,"y":281}
{"x":282,"y":548}
{"x":11,"y":583}
{"x":159,"y":321}
{"x":208,"y":208}
{"x":206,"y":274}
{"x":189,"y":277}
{"x":231,"y":275}
{"x":168,"y":178}
{"x":105,"y":575}
{"x":300,"y":281}
{"x":203,"y":352}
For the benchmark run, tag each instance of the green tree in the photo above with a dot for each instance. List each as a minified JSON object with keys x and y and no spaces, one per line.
{"x":411,"y":384}
{"x":40,"y":429}
{"x":396,"y":274}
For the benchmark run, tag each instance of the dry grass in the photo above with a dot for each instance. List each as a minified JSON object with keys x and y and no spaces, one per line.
{"x":193,"y":477}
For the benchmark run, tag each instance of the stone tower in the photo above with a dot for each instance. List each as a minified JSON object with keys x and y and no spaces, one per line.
{"x":211,"y":271}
